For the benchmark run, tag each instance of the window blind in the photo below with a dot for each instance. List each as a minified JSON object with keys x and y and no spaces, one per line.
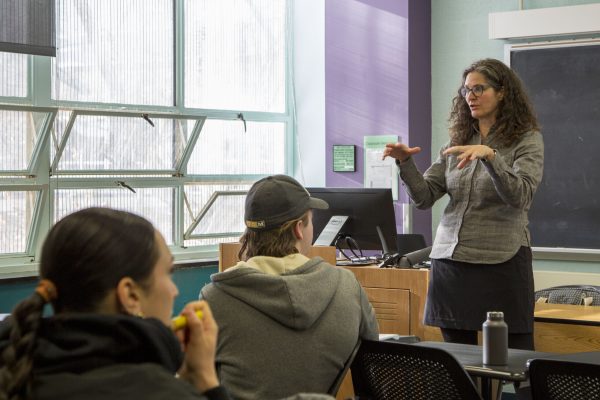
{"x":27,"y":26}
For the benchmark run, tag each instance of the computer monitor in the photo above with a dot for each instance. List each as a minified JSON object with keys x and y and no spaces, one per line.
{"x":367,"y":209}
{"x":409,"y":242}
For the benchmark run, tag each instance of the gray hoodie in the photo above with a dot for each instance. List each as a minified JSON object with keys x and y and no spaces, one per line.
{"x":286,"y":325}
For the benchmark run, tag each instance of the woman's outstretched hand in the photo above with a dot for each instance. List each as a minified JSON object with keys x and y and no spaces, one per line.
{"x":399,"y":151}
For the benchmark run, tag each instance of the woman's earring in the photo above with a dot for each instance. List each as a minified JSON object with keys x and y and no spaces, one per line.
{"x":139,"y":314}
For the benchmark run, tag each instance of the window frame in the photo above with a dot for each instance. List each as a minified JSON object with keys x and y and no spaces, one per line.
{"x":179,"y":168}
{"x":44,"y":132}
{"x":43,"y":173}
{"x":41,"y":200}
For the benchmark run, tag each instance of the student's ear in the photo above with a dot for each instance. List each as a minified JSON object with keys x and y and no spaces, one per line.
{"x":299,"y":230}
{"x":129,"y":296}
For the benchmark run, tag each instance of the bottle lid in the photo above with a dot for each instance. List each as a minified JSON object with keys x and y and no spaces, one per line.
{"x":495,"y":315}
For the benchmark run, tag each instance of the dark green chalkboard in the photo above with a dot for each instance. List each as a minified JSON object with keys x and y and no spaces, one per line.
{"x":564,"y":85}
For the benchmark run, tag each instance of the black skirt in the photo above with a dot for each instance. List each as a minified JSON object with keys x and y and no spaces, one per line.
{"x":460,"y":294}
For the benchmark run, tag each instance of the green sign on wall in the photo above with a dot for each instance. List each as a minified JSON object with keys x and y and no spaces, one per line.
{"x":344,"y":158}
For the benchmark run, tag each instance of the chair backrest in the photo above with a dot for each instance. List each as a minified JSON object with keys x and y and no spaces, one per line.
{"x":342,"y":374}
{"x":228,"y":254}
{"x":385,"y":370}
{"x":409,"y":242}
{"x":564,"y":380}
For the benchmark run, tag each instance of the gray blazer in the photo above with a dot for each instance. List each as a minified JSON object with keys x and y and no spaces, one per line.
{"x":485,"y":220}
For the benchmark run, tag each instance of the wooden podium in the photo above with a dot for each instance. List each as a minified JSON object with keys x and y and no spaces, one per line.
{"x":398,"y":297}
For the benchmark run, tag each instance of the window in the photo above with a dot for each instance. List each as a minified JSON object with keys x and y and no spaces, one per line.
{"x":13,"y":75}
{"x":155,"y":204}
{"x":235,"y":54}
{"x":115,"y":51}
{"x":215,"y":212}
{"x":20,"y":130}
{"x":168,"y":109}
{"x":99,"y":142}
{"x":225,"y":148}
{"x":17,"y":209}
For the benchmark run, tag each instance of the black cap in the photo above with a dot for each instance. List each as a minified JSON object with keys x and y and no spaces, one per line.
{"x":274,"y":200}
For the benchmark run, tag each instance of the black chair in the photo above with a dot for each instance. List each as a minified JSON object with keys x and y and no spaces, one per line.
{"x":564,"y":380}
{"x":396,"y":371}
{"x":342,"y":374}
{"x":409,"y":242}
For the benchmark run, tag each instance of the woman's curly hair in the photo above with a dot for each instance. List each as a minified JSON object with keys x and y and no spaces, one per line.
{"x":515,"y":113}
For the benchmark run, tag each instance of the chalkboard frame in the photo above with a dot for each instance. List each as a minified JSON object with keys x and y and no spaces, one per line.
{"x":567,"y":252}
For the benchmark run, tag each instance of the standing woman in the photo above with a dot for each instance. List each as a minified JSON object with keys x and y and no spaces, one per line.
{"x":107,"y":275}
{"x":490,"y":169}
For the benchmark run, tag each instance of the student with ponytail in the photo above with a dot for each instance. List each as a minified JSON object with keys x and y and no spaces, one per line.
{"x":107,"y":275}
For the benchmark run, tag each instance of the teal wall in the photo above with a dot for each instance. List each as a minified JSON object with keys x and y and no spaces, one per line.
{"x":188,"y":280}
{"x":459,"y":36}
{"x":11,"y":292}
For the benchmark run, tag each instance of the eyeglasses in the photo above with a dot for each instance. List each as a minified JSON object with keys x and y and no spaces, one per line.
{"x":477,"y":90}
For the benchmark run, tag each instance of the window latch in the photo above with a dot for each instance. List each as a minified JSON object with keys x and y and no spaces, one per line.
{"x":148,"y":120}
{"x":125,"y":186}
{"x":241,"y":116}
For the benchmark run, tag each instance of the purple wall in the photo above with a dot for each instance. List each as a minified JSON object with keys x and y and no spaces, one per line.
{"x":419,"y":97}
{"x":375,"y":52}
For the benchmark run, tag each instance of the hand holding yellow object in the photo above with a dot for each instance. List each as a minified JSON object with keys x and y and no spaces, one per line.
{"x":180,"y":322}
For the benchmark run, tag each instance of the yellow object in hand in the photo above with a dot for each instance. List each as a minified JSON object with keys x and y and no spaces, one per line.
{"x":180,"y":322}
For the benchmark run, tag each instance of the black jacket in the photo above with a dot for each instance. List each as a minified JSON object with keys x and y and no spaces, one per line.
{"x":91,"y":356}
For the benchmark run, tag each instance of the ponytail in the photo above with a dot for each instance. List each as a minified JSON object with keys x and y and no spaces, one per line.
{"x":17,"y":357}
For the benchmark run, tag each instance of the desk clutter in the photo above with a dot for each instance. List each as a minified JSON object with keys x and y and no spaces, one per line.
{"x":358,"y":261}
{"x":412,"y":252}
{"x":415,"y":259}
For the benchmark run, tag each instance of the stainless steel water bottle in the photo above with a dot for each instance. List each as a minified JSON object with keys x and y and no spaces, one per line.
{"x":495,"y":339}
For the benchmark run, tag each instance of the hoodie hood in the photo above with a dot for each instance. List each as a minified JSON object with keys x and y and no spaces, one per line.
{"x":82,"y":342}
{"x":296,"y":298}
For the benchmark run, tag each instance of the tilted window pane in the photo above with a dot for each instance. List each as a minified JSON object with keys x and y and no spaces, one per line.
{"x":223,"y":148}
{"x":114,"y":51}
{"x":16,"y":211}
{"x":154,"y":204}
{"x":104,"y":143}
{"x":19,"y":132}
{"x":235,"y":54}
{"x":13,"y":75}
{"x":226,"y":216}
{"x":58,"y":130}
